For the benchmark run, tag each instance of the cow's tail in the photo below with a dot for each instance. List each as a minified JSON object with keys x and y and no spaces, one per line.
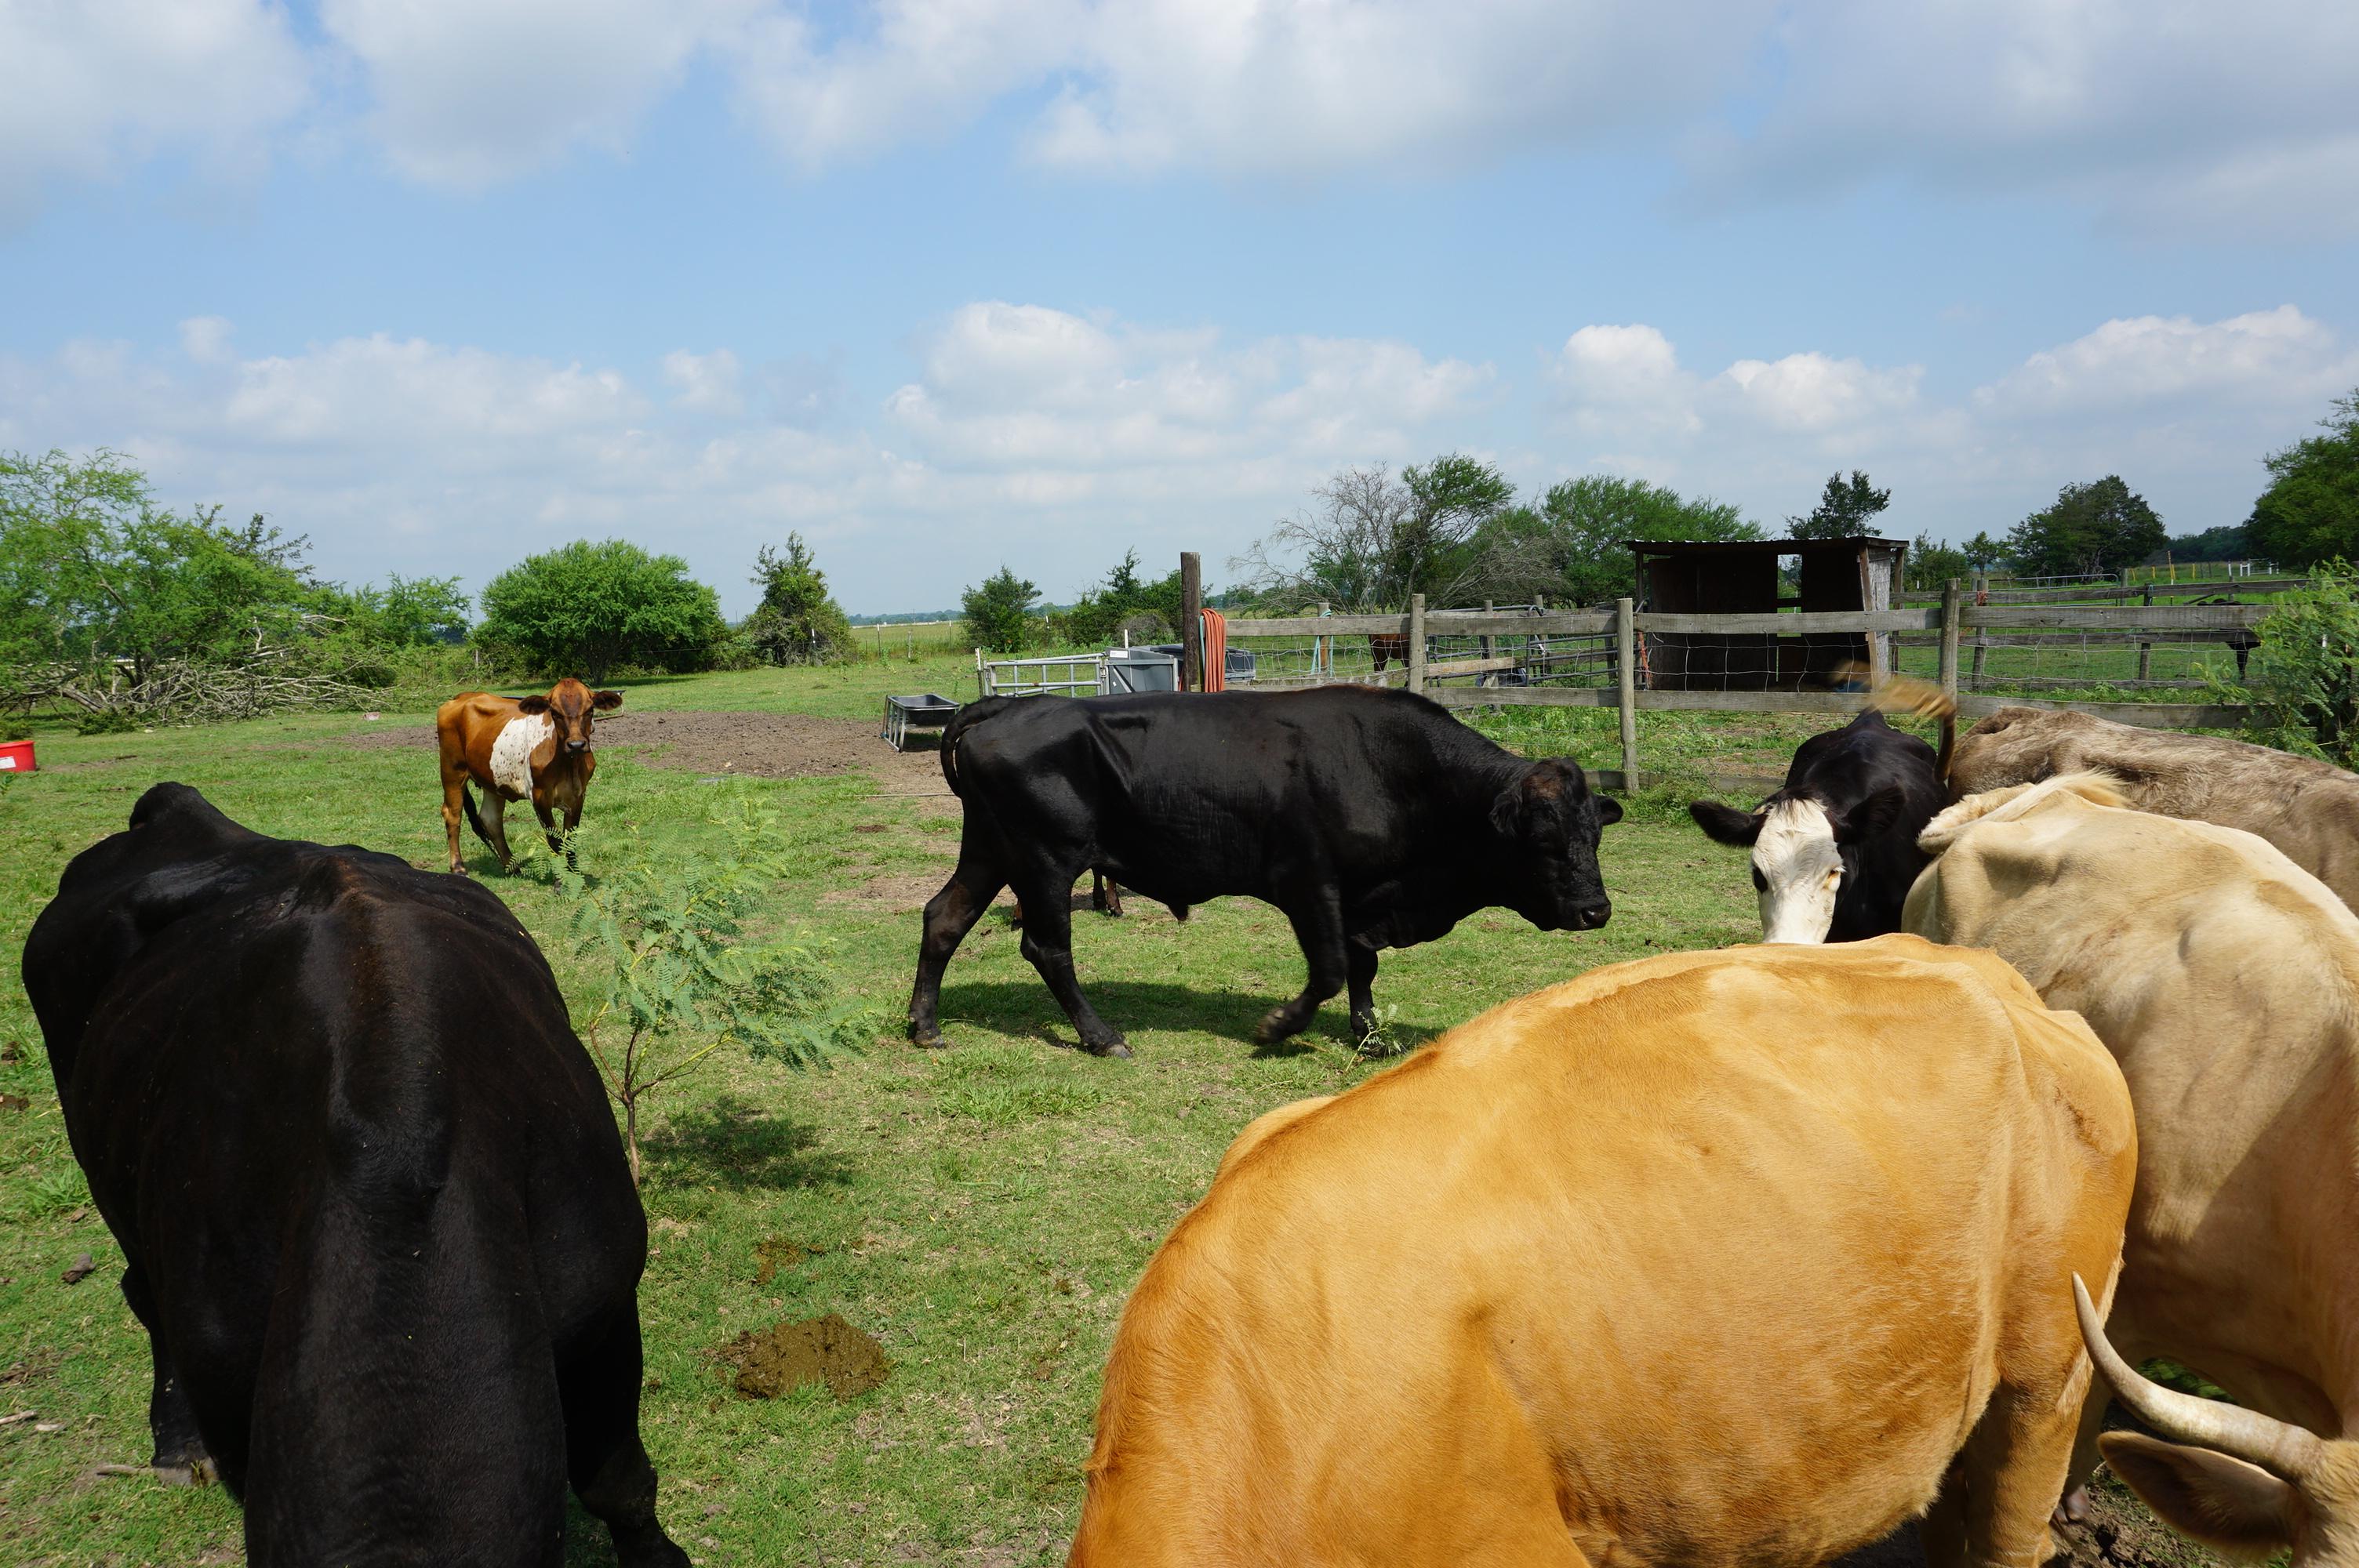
{"x":964,"y":719}
{"x":467,"y":799}
{"x":1920,"y":699}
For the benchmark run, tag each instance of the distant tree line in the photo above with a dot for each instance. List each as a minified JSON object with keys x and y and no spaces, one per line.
{"x":123,"y":613}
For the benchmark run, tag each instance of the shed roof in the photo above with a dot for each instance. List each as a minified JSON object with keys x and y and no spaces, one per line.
{"x":1756,"y":547}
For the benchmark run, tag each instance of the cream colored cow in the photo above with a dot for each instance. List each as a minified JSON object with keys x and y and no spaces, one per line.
{"x":2306,"y":808}
{"x":1715,"y":1260}
{"x":2225,"y":980}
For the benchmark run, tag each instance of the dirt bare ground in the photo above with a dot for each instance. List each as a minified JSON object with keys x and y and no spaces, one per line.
{"x":2118,"y":1533}
{"x":763,"y":745}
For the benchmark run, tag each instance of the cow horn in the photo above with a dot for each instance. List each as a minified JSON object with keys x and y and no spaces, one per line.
{"x":2286,"y":1451}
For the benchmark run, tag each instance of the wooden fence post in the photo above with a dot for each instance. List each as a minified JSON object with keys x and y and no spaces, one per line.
{"x":1322,"y":649}
{"x":1982,"y":591}
{"x":1625,"y":641}
{"x":1417,"y":643}
{"x":1191,"y":622}
{"x":1487,"y":608}
{"x":2146,"y":650}
{"x":1949,"y":596}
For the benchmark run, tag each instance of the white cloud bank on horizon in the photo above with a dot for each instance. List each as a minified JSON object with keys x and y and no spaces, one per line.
{"x":1051,"y":441}
{"x":2088,"y":99}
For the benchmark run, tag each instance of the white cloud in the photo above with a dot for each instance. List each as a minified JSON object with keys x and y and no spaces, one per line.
{"x":93,"y":85}
{"x":2179,"y":115}
{"x":206,"y":339}
{"x":707,"y":384}
{"x":2279,"y":357}
{"x":467,"y":93}
{"x":2182,"y":116}
{"x":2182,"y":408}
{"x":1074,"y":435}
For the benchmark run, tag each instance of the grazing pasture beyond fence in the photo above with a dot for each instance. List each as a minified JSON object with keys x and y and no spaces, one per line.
{"x":1984,"y":655}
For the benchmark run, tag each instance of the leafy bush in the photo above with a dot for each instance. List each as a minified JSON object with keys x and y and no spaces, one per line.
{"x":589,"y":609}
{"x":130,"y":615}
{"x":1148,"y":609}
{"x":999,"y":612}
{"x":2310,"y":510}
{"x":2303,"y":674}
{"x":677,"y":980}
{"x":797,"y":622}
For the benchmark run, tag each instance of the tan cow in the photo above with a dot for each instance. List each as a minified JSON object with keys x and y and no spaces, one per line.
{"x":517,"y":748}
{"x":1713,"y":1259}
{"x":2306,"y":808}
{"x":2225,"y":978}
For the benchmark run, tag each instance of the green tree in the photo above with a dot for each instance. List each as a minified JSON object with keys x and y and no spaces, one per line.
{"x":1931,"y":564}
{"x":999,"y":612}
{"x":672,"y":977}
{"x":91,"y":570}
{"x":2230,"y":542}
{"x":1370,"y":540}
{"x":1571,"y":545}
{"x":1983,"y":552}
{"x":2309,"y":512}
{"x":407,"y":612}
{"x":588,"y":610}
{"x":2103,"y":527}
{"x":798,"y":622}
{"x":1125,"y":599}
{"x":1846,"y":510}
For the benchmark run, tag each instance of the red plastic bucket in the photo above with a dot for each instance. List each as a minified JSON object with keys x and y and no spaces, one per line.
{"x":16,"y":757}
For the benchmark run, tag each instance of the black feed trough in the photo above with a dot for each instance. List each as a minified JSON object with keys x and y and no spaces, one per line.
{"x":922,"y":713}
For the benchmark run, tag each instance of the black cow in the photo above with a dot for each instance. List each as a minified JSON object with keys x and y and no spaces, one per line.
{"x":375,"y":1213}
{"x":1835,"y":850}
{"x":1372,"y":818}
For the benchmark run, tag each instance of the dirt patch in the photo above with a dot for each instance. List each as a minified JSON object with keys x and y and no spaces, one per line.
{"x":773,"y":1253}
{"x":763,"y":745}
{"x":827,"y":1350}
{"x":897,"y":893}
{"x":2118,"y":1533}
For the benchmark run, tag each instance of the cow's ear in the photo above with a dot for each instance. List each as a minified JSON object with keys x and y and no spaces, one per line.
{"x":1609,"y":812}
{"x":532,"y":704}
{"x":1725,"y":823}
{"x":2217,"y":1500}
{"x":1506,"y":812}
{"x":1873,"y":815}
{"x":606,"y":699}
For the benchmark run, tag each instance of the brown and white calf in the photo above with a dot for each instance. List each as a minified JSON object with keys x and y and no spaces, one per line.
{"x":517,"y":748}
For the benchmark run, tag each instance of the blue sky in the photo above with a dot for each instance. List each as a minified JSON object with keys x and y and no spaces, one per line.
{"x":948,"y":283}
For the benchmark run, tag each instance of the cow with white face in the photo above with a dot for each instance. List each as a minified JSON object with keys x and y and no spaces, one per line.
{"x":1835,"y":850}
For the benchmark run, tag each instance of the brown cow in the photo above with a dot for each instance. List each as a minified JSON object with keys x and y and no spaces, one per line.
{"x":517,"y":748}
{"x":2308,"y":810}
{"x":2225,"y":980}
{"x":1713,"y":1259}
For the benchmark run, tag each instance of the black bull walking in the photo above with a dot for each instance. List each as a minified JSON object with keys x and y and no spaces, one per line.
{"x":1373,"y":819}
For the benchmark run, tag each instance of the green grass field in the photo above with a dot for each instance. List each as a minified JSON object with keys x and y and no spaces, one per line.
{"x":981,"y":1211}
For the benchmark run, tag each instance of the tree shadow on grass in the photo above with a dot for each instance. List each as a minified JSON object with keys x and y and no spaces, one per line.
{"x":1018,"y":1007}
{"x":744,"y":1146}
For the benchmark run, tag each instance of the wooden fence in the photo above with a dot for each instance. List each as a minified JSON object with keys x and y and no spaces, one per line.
{"x":1950,"y":623}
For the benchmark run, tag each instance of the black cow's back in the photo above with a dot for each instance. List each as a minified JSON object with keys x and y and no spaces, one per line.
{"x":359,"y":1164}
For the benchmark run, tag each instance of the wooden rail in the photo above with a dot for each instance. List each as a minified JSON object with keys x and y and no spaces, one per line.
{"x":2019,"y":626}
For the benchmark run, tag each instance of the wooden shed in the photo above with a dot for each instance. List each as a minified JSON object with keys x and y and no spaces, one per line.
{"x":1742,"y":578}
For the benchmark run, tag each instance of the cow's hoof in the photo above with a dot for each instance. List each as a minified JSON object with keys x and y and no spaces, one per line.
{"x":459,"y":871}
{"x":927,"y":1039}
{"x":195,"y":1470}
{"x":2073,"y":1510}
{"x":1112,"y":1045}
{"x":1275,"y":1026}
